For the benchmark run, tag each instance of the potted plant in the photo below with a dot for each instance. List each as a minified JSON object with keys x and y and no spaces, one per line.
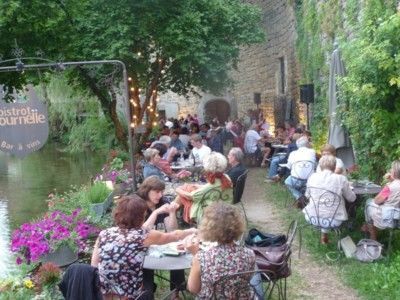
{"x":100,"y":196}
{"x":115,"y":172}
{"x":52,"y":234}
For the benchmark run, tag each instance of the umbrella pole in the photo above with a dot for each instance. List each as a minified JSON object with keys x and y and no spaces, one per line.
{"x":308,"y":117}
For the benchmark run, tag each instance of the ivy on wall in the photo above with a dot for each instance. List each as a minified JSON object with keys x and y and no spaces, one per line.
{"x":368,"y":33}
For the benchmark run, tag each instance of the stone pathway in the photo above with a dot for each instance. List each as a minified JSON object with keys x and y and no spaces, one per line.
{"x":309,"y":280}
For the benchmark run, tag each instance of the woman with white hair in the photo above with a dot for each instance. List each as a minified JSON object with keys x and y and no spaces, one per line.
{"x":388,"y":197}
{"x":195,"y":198}
{"x":327,"y":193}
{"x":152,"y":157}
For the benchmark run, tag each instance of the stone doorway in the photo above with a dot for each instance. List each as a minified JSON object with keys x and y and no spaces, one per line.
{"x":217,"y":108}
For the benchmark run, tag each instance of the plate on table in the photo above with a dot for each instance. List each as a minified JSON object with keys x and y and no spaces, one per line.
{"x":173,"y":249}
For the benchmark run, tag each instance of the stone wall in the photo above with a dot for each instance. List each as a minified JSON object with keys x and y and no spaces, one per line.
{"x":259,"y":71}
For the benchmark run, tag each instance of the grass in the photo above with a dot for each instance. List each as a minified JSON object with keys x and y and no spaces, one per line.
{"x":371,"y":280}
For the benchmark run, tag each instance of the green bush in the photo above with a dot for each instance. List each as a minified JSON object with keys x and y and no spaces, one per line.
{"x":97,"y":192}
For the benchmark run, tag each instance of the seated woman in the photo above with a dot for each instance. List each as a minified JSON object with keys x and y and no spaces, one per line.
{"x":195,"y":197}
{"x":388,"y":197}
{"x":323,"y":209}
{"x":159,"y":213}
{"x":222,"y":223}
{"x":152,"y":157}
{"x":165,"y":166}
{"x":328,"y":149}
{"x":119,"y":251}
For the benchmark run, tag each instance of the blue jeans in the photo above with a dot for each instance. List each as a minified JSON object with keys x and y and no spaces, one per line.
{"x":295,"y":186}
{"x":274,"y":165}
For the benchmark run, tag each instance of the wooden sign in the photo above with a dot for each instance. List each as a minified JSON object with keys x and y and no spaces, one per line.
{"x":24,"y":126}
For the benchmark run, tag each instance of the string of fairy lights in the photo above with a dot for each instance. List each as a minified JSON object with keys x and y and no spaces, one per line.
{"x":150,"y":115}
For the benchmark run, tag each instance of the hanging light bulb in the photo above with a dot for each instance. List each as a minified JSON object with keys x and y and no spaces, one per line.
{"x":132,"y":125}
{"x":132,"y":89}
{"x":139,"y":53}
{"x":154,"y":123}
{"x":129,"y":78}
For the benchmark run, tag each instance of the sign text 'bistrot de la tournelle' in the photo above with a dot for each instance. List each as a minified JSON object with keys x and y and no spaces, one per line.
{"x":24,"y":126}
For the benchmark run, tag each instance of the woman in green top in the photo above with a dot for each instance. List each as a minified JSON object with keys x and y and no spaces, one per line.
{"x":195,"y":198}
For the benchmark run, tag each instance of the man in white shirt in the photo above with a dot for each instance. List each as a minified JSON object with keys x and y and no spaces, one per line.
{"x":301,"y":164}
{"x":199,"y":150}
{"x":251,"y":140}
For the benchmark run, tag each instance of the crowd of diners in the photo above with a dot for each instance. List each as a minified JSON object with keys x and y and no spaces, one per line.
{"x":120,"y":250}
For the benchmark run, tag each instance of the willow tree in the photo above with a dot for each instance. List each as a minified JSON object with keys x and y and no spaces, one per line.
{"x":174,"y":45}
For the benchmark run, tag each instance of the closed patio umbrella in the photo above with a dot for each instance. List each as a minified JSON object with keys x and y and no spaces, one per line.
{"x":338,"y":135}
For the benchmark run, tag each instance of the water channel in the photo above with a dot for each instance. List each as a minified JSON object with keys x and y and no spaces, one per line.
{"x":25,"y":185}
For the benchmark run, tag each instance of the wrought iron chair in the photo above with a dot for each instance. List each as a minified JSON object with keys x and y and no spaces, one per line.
{"x":391,"y":218}
{"x":321,"y":210}
{"x":275,"y":261}
{"x":242,"y":285}
{"x":300,"y":171}
{"x":238,"y":191}
{"x":283,"y":270}
{"x":213,"y":195}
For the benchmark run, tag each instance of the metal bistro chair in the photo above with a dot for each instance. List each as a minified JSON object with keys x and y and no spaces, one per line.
{"x":391,"y":217}
{"x":212,"y":195}
{"x":281,"y":271}
{"x":242,"y":285}
{"x":321,"y":210}
{"x":238,"y":191}
{"x":301,"y":171}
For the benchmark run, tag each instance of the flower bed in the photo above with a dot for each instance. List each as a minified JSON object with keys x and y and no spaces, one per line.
{"x":33,"y":240}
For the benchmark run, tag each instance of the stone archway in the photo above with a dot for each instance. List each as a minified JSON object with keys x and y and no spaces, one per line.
{"x":218,"y":108}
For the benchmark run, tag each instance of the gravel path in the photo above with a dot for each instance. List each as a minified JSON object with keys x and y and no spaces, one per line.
{"x":309,"y":280}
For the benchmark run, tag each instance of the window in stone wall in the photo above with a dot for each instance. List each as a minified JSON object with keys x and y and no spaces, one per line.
{"x":282,"y":76}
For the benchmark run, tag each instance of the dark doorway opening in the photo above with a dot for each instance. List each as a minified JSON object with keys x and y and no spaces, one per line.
{"x":219,"y":109}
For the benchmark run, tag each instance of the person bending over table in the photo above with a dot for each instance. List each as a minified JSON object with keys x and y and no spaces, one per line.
{"x":159,"y":212}
{"x":222,"y":223}
{"x":194,"y":197}
{"x":119,"y":251}
{"x":389,"y":196}
{"x":317,"y":185}
{"x":328,"y":149}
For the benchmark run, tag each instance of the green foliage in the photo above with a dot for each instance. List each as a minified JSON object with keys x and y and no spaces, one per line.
{"x":311,"y":54}
{"x":75,"y":117}
{"x":371,"y":89}
{"x":195,"y":42}
{"x":97,"y":192}
{"x":94,"y":133}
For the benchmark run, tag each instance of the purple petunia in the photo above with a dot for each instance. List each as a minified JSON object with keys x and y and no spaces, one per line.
{"x":35,"y":239}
